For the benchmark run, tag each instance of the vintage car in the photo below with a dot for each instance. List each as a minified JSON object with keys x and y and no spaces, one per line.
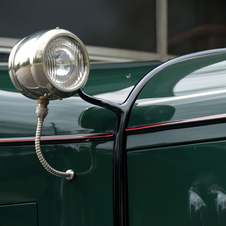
{"x":137,"y":143}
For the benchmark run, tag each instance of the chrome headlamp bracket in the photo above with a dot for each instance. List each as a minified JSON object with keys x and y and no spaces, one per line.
{"x":49,"y":65}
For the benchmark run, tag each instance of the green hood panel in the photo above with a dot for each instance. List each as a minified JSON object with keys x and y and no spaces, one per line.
{"x":18,"y":117}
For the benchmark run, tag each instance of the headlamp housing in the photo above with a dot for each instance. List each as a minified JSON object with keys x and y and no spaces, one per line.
{"x":53,"y":63}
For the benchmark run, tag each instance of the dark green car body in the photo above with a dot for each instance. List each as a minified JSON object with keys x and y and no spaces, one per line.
{"x":175,"y":148}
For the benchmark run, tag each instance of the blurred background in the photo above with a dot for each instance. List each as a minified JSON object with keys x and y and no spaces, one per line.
{"x":190,"y":26}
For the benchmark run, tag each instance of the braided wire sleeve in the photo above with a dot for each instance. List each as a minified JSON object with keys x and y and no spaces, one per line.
{"x":69,"y":174}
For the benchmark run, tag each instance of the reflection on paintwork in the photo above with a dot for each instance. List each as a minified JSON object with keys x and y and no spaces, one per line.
{"x":197,"y":209}
{"x":90,"y":118}
{"x":63,"y":117}
{"x":204,"y":104}
{"x":179,"y":99}
{"x":117,"y":96}
{"x":83,"y":152}
{"x":200,"y":86}
{"x":91,"y":149}
{"x":148,"y":114}
{"x":108,"y":78}
{"x":220,"y":203}
{"x":59,"y":200}
{"x":173,"y":184}
{"x":202,"y":80}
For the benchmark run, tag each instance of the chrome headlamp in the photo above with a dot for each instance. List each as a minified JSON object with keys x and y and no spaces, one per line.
{"x":53,"y":63}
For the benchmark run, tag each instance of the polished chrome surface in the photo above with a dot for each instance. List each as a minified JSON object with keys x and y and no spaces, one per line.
{"x":42,"y":112}
{"x":69,"y":174}
{"x":28,"y":69}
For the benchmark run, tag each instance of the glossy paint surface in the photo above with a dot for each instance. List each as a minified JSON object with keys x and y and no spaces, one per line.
{"x":87,"y":200}
{"x":178,"y":185}
{"x":18,"y":118}
{"x":199,"y":84}
{"x":24,"y":214}
{"x":176,"y":173}
{"x":175,"y":176}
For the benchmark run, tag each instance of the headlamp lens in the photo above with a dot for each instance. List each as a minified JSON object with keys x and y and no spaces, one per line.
{"x":64,"y":63}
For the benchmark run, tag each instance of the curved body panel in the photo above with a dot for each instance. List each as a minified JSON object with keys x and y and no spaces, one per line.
{"x":74,"y":136}
{"x":176,"y":150}
{"x":173,"y":147}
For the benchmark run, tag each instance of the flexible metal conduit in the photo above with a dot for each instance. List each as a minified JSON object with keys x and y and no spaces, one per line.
{"x":42,"y":111}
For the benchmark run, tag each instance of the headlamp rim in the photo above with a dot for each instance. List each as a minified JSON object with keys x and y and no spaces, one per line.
{"x":60,"y":33}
